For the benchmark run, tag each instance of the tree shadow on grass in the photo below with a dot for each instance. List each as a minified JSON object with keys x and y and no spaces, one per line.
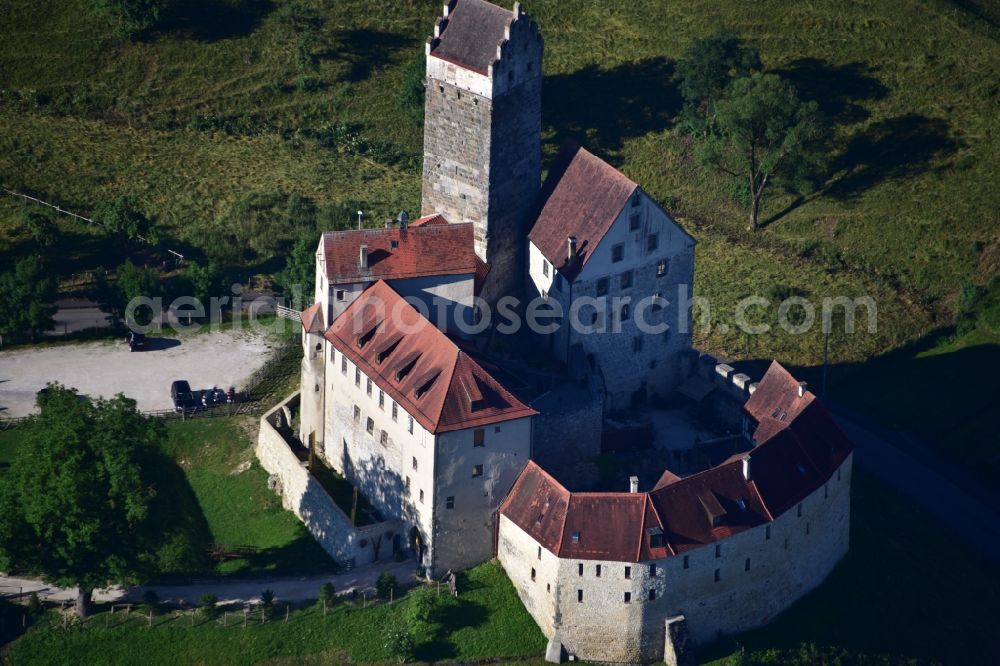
{"x":364,"y":51}
{"x":601,"y":108}
{"x":837,"y":89}
{"x":213,"y":20}
{"x":449,"y":619}
{"x":892,"y":149}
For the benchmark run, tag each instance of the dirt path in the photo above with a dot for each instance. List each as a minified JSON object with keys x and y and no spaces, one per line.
{"x":220,"y":359}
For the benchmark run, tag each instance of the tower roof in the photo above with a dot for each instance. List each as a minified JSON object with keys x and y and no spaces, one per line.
{"x":420,"y":368}
{"x":469,"y":34}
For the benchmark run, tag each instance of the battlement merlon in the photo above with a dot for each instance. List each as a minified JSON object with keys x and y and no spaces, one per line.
{"x":485,"y":70}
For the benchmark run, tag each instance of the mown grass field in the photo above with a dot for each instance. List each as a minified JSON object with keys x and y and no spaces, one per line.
{"x":487,"y":622}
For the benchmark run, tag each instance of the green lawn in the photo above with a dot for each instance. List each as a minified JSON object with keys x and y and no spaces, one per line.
{"x":908,"y":592}
{"x":486,"y":623}
{"x":221,"y":496}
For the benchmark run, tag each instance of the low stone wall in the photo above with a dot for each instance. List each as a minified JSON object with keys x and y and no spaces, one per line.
{"x":302,"y":494}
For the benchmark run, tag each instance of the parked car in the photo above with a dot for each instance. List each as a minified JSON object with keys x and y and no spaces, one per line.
{"x":136,"y":341}
{"x":183,"y":397}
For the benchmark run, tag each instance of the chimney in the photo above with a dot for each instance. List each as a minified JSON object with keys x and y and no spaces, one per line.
{"x":746,"y":467}
{"x":570,"y":249}
{"x":388,"y":224}
{"x":363,"y":257}
{"x":802,"y":389}
{"x":633,"y":484}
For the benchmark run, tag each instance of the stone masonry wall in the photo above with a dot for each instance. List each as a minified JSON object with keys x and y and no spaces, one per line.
{"x":482,"y":149}
{"x":567,"y":435}
{"x":761,"y":572}
{"x":302,"y":494}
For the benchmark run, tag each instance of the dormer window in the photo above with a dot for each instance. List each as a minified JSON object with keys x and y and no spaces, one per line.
{"x":367,"y":336}
{"x":576,"y":537}
{"x":388,"y":349}
{"x":426,"y":384}
{"x":406,"y":367}
{"x":655,"y":537}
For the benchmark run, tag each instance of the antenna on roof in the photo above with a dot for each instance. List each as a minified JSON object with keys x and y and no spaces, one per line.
{"x":360,"y":213}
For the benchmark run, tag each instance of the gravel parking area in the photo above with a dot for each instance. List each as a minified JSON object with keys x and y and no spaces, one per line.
{"x":220,"y":359}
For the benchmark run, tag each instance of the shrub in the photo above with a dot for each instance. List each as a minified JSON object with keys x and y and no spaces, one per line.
{"x":209,"y":604}
{"x":399,"y":644}
{"x":34,"y":604}
{"x":327,"y":595}
{"x":386,"y":585}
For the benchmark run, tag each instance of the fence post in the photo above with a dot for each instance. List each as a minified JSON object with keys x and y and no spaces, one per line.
{"x":150,"y":618}
{"x":287,"y":610}
{"x":245,"y":617}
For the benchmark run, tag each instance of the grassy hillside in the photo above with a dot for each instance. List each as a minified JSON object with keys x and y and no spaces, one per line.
{"x":239,"y":126}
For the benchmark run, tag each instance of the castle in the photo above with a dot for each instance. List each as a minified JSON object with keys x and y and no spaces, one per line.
{"x":404,"y":395}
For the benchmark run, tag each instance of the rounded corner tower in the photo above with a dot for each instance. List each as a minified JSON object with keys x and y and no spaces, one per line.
{"x":482,"y":130}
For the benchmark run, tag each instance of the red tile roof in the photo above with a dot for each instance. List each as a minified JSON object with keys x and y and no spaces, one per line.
{"x":418,"y":365}
{"x":428,"y":220}
{"x":582,"y":197}
{"x":312,"y":318}
{"x":792,"y":463}
{"x":428,"y":249}
{"x":470,"y":34}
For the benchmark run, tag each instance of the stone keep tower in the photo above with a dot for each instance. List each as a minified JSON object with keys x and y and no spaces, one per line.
{"x":482,"y":130}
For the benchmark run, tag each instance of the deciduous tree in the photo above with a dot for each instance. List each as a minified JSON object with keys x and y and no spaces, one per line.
{"x":74,"y":502}
{"x":706,"y":69}
{"x":27,"y":296}
{"x":761,"y":131}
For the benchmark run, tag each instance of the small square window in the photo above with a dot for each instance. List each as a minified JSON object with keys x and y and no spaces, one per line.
{"x":341,"y":295}
{"x":617,"y":253}
{"x":579,"y":569}
{"x":368,"y":386}
{"x":477,"y":470}
{"x":539,"y":552}
{"x":343,"y":364}
{"x":623,"y":313}
{"x":579,"y":596}
{"x":628,"y":573}
{"x":496,"y":428}
{"x":384,"y":438}
{"x":652,"y":571}
{"x":357,"y":376}
{"x":532,"y":574}
{"x":597,"y":570}
{"x":628,"y":597}
{"x":479,"y":437}
{"x":633,"y":222}
{"x":421,"y":496}
{"x":687,"y":561}
{"x":394,"y":244}
{"x":652,"y":594}
{"x":449,"y":502}
{"x":718,"y":550}
{"x":661,"y":268}
{"x":414,"y":463}
{"x":652,"y":242}
{"x":407,"y":483}
{"x":717,"y":577}
{"x":370,"y":425}
{"x":357,"y":413}
{"x":602,"y":286}
{"x":381,"y":399}
{"x":409,"y":424}
{"x":545,"y":268}
{"x":395,"y":410}
{"x":626,"y":279}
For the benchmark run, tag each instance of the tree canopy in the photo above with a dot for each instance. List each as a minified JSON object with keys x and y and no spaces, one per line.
{"x":131,"y":282}
{"x":27,"y":296}
{"x":761,"y":131}
{"x":128,"y":17}
{"x":706,"y":69}
{"x":298,"y":278}
{"x":74,"y":503}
